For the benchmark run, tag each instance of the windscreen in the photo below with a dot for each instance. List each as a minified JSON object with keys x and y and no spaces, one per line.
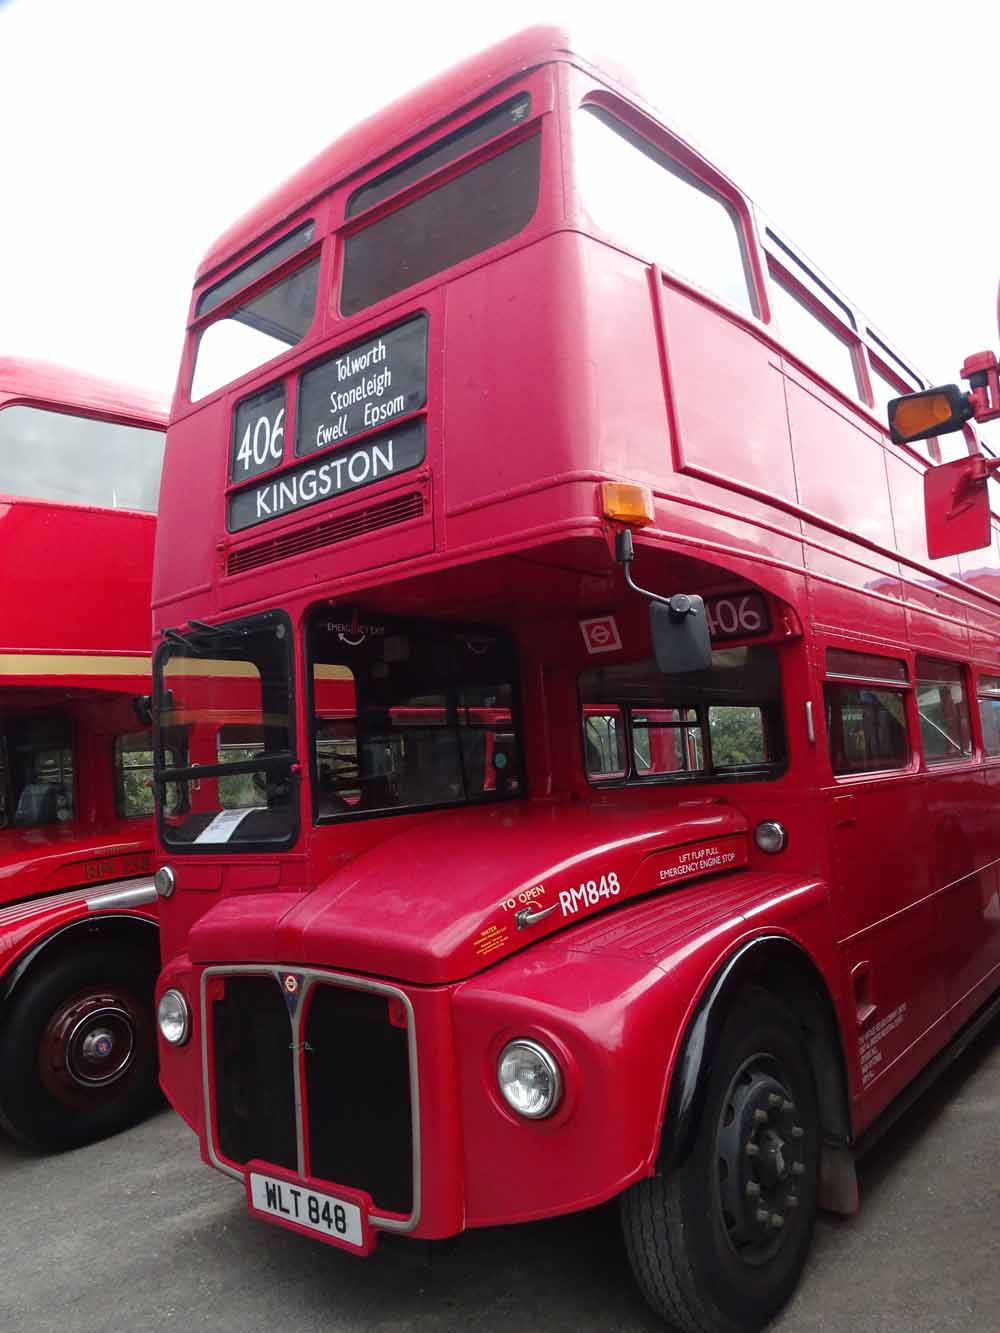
{"x":47,"y":455}
{"x":410,"y":714}
{"x":224,"y":740}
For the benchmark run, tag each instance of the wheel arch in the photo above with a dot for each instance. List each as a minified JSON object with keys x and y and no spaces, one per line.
{"x":110,"y":929}
{"x":781,"y":966}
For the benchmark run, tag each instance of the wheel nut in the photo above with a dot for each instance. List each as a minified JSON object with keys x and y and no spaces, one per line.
{"x":775,"y":1101}
{"x":787,"y":1106}
{"x":792,"y":1201}
{"x":753,"y":1189}
{"x":752,"y":1150}
{"x":797,"y":1131}
{"x":763,"y":1215}
{"x":798,"y":1169}
{"x":760,"y":1117}
{"x":777,"y":1221}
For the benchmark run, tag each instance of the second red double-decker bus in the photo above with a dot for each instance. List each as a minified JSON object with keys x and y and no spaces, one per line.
{"x":503,"y":887}
{"x":79,"y":475}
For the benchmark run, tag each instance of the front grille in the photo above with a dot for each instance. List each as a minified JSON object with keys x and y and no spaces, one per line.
{"x":358,"y":1096}
{"x":330,"y":531}
{"x":254,"y":1091}
{"x":355,"y":1093}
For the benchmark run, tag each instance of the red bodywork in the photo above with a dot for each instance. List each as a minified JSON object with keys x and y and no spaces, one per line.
{"x":74,"y":611}
{"x":556,"y":360}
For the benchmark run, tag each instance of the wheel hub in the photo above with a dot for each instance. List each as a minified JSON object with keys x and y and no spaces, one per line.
{"x":760,"y":1152}
{"x":88,"y":1045}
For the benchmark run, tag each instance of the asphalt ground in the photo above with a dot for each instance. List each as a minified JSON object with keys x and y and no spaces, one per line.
{"x":134,"y":1234}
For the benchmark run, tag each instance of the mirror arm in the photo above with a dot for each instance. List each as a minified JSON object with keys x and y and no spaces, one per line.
{"x":679,"y":604}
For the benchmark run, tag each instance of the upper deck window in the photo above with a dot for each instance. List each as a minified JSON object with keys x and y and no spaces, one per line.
{"x":482,"y":207}
{"x":440,"y":153}
{"x":265,"y":262}
{"x":811,"y":337}
{"x":261,"y":328}
{"x":47,"y":455}
{"x":658,"y":209}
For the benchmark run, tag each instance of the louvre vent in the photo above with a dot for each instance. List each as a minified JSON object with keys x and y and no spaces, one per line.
{"x":331,"y":530}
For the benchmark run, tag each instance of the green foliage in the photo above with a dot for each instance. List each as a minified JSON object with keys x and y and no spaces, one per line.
{"x":737,"y":735}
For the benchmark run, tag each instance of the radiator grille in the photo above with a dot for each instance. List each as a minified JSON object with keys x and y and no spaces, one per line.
{"x":340,"y":528}
{"x":358,"y":1096}
{"x":355,"y":1090}
{"x":254,"y":1091}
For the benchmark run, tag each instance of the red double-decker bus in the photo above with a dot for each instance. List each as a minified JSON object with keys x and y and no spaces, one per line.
{"x":596,"y":775}
{"x":79,"y":475}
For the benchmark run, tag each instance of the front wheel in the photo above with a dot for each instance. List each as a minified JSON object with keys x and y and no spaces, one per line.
{"x":718,"y":1243}
{"x":78,"y":1049}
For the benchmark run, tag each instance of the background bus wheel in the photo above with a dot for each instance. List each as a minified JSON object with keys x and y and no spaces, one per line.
{"x":718,"y":1243}
{"x":78,"y":1049}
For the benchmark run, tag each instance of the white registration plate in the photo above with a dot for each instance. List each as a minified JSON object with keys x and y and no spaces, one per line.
{"x":296,"y":1205}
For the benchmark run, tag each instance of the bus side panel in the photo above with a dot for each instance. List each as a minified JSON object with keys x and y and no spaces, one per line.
{"x":964,"y":833}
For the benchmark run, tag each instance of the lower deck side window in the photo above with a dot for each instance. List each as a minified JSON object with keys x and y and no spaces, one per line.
{"x":866,"y":727}
{"x":724,"y":723}
{"x":37,"y":785}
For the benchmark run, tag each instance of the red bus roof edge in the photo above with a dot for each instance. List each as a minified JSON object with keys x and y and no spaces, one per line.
{"x":391,"y":127}
{"x":69,"y":390}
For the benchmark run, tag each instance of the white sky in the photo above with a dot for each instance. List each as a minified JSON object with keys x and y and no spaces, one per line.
{"x":133,"y":132}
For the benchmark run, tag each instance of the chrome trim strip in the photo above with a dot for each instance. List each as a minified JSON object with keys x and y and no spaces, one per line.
{"x":134,"y":893}
{"x":313,"y":976}
{"x":810,"y":726}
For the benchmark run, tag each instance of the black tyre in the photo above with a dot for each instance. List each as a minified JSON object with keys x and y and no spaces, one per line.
{"x":718,"y":1243}
{"x":78,"y":1049}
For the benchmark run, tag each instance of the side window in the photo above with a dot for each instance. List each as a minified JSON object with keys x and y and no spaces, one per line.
{"x":738,"y":736}
{"x":945,"y":729}
{"x":39,"y":780}
{"x":134,"y":776}
{"x":865,"y":719}
{"x":724,"y":723}
{"x":989,"y":712}
{"x":667,"y":740}
{"x":237,"y":743}
{"x":816,"y":341}
{"x":663,"y":212}
{"x":604,"y":744}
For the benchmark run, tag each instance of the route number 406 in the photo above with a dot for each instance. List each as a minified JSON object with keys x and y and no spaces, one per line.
{"x":263,"y":441}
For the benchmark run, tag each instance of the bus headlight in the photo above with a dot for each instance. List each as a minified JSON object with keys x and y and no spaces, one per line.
{"x":770,"y":836}
{"x":529,"y":1079}
{"x":174,"y":1017}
